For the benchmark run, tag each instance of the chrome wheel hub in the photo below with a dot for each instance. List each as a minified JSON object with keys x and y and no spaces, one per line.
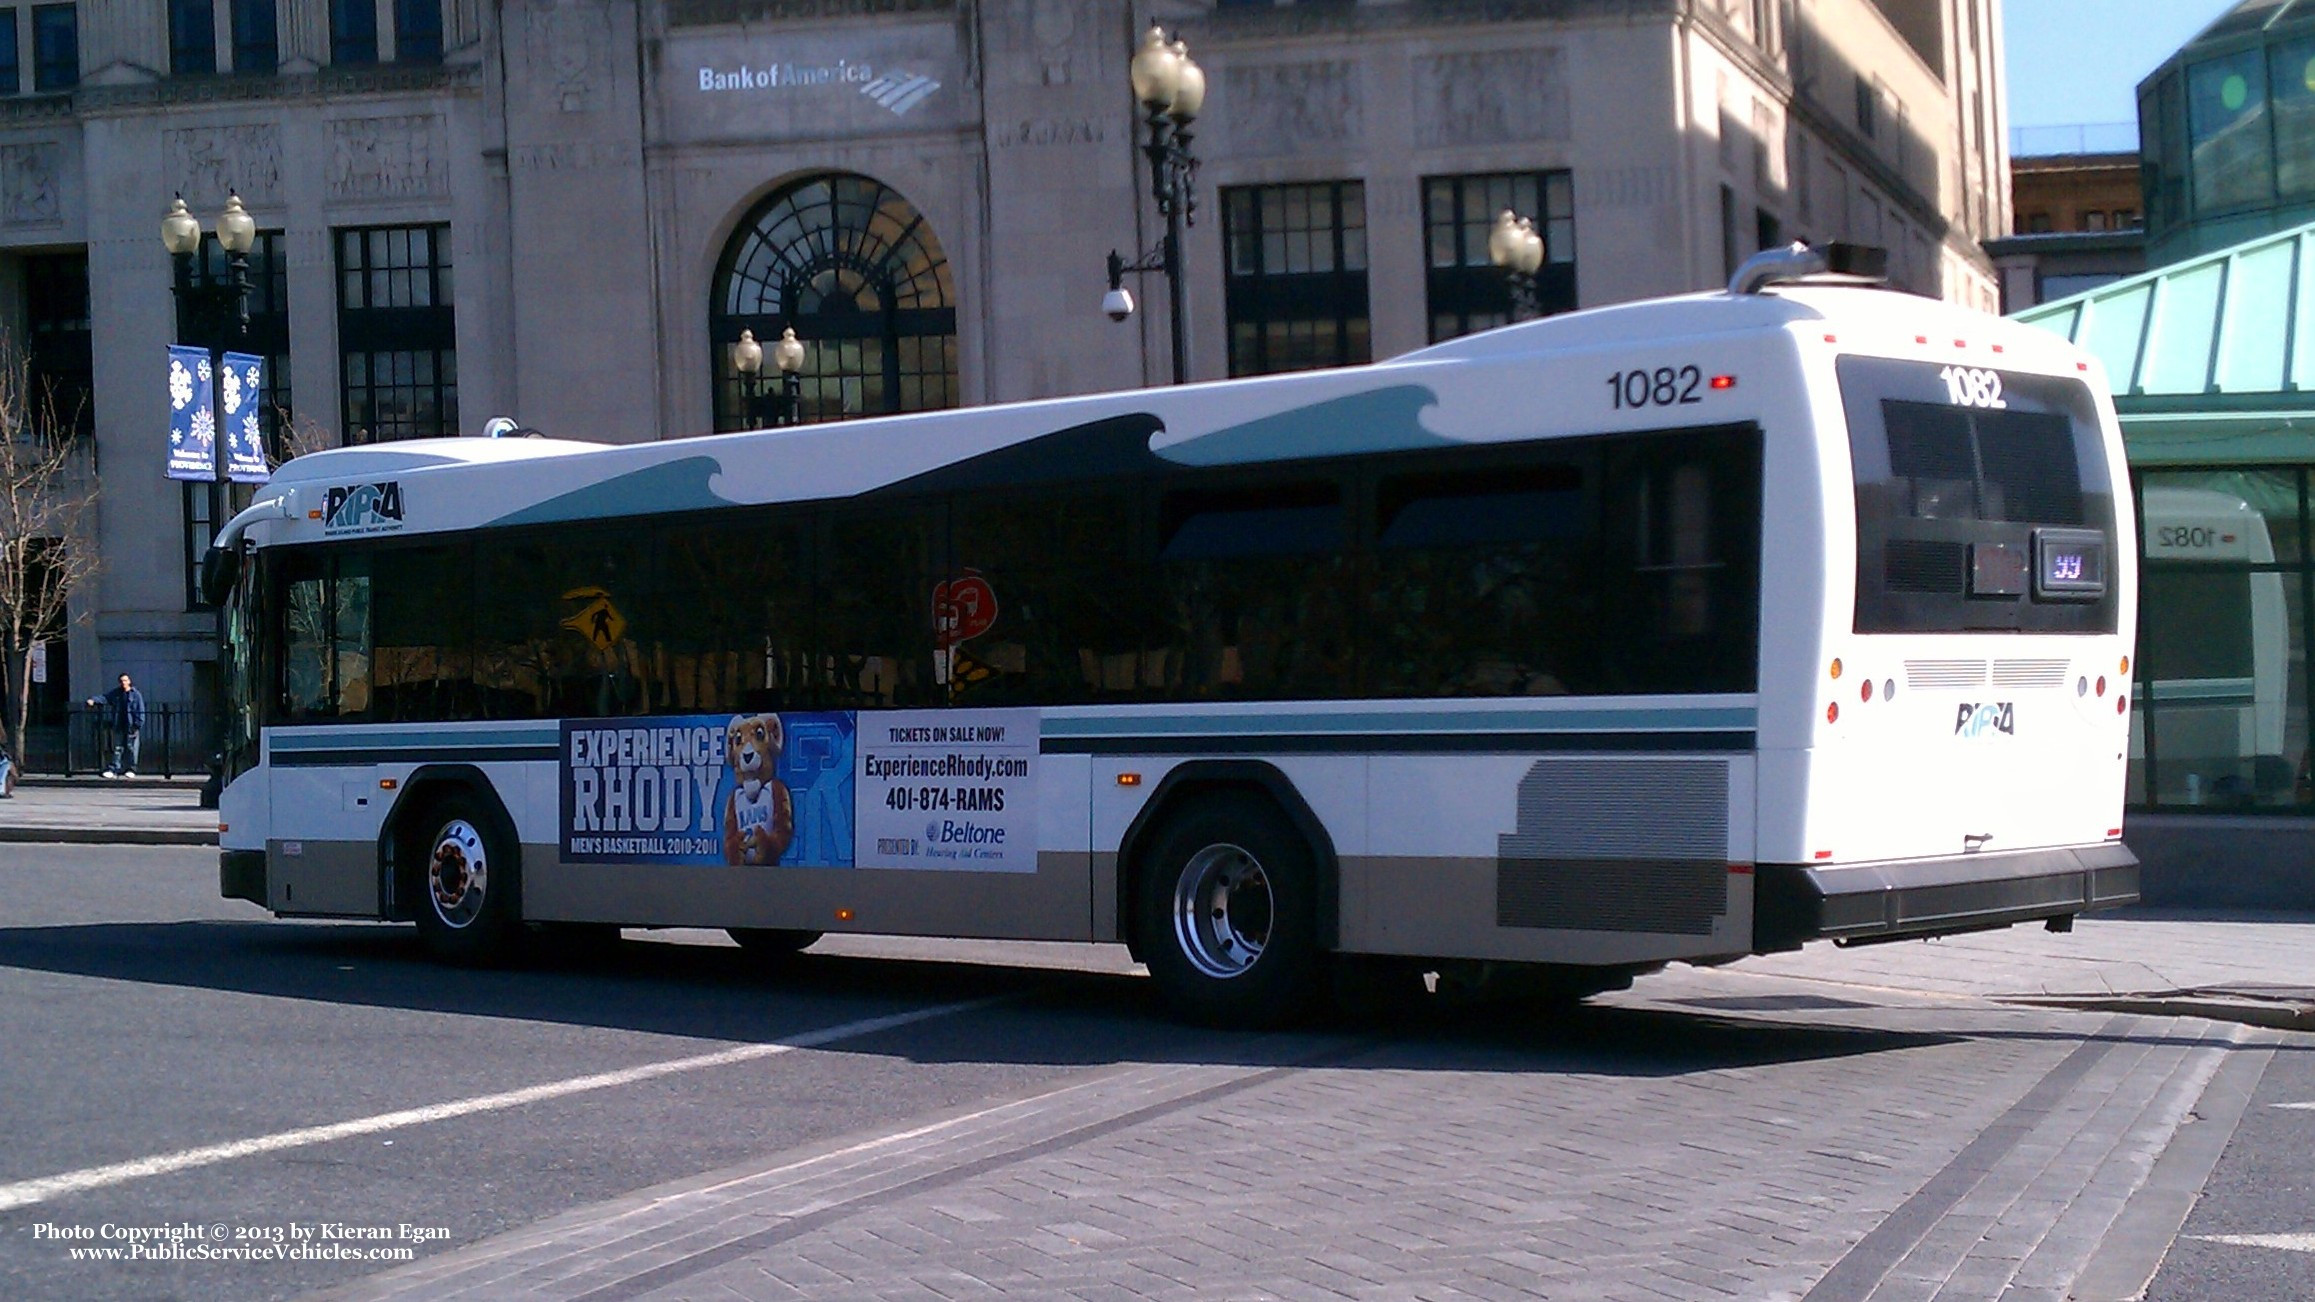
{"x":457,"y":874}
{"x":1222,"y":910}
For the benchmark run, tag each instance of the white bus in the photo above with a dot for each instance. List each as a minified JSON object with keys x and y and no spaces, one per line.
{"x":1683,"y":630}
{"x":2219,"y":674}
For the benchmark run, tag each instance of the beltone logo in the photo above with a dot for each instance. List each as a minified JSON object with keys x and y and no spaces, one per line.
{"x":363,"y":508}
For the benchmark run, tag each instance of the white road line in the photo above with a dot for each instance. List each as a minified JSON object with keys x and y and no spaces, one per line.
{"x":2287,"y":1242}
{"x":2294,"y":1107}
{"x":25,"y":1193}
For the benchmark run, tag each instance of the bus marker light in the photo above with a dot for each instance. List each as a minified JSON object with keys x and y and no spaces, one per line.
{"x":1866,"y":692}
{"x":2081,"y":687}
{"x":1129,"y":779}
{"x":388,"y":784}
{"x":1832,"y":339}
{"x":223,"y":828}
{"x":2101,"y":684}
{"x":2121,"y":704}
{"x":2126,"y":664}
{"x":2113,"y":833}
{"x":1999,"y":349}
{"x":1740,"y":870}
{"x":1724,"y":382}
{"x":2081,"y":366}
{"x":1888,"y":689}
{"x":1824,"y":854}
{"x":1961,"y":343}
{"x":843,"y":915}
{"x":1921,"y":339}
{"x":1833,"y":712}
{"x":314,"y":514}
{"x":1836,"y":666}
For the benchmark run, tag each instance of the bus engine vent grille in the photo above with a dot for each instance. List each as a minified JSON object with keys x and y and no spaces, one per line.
{"x":2029,"y":673}
{"x":1931,"y":675}
{"x":1920,"y":565}
{"x":1617,"y":845}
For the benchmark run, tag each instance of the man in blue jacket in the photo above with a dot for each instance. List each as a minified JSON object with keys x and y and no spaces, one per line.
{"x":124,"y":708}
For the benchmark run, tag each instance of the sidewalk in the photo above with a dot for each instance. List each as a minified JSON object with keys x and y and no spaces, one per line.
{"x":101,"y":811}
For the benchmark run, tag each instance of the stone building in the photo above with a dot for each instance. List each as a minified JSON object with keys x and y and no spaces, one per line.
{"x":566,"y":210}
{"x":2080,"y":225}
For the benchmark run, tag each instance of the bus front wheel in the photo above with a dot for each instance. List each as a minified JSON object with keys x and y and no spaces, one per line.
{"x":1226,"y":913}
{"x":466,"y":882}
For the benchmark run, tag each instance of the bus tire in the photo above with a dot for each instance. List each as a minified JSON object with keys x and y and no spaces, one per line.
{"x":467,"y":883}
{"x":1227,"y":913}
{"x":771,"y":942}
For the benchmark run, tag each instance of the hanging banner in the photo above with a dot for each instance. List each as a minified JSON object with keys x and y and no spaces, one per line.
{"x":192,"y":415}
{"x":242,"y":391}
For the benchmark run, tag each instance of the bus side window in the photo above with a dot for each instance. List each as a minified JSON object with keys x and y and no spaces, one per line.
{"x":1682,"y":549}
{"x":1480,"y":583}
{"x":1045,"y":602}
{"x":325,"y":636}
{"x":878,"y":572}
{"x":1255,"y":585}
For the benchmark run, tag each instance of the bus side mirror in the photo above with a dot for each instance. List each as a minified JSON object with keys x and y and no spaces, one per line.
{"x":220,"y":569}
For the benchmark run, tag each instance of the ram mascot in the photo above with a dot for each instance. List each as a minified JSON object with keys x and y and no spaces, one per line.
{"x":759,"y":820}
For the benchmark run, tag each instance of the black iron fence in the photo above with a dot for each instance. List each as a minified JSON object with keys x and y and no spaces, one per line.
{"x":177,"y":741}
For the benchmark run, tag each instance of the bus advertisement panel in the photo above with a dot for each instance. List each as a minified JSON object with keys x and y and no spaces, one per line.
{"x":947,"y":790}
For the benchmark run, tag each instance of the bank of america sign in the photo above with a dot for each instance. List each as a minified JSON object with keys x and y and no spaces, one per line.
{"x":894,"y":90}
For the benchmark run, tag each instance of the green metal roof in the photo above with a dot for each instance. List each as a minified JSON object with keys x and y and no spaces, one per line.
{"x":2212,"y":359}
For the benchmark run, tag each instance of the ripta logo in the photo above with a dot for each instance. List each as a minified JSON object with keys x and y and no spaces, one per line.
{"x":1975,"y":721}
{"x":363,"y":508}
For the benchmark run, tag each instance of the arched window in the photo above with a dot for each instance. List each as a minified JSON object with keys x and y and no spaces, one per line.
{"x":857,"y":272}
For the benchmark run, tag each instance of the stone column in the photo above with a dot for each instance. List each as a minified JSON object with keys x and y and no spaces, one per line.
{"x":305,"y":34}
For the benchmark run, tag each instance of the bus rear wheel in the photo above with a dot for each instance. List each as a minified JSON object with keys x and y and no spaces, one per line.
{"x":466,"y":881}
{"x":1226,"y":914}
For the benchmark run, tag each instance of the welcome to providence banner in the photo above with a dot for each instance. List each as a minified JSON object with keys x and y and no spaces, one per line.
{"x":192,"y":414}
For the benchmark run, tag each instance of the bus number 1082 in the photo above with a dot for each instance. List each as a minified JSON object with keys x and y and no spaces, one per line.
{"x":1665,"y":386}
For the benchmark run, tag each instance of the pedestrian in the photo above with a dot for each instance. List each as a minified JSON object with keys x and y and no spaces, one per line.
{"x":124,"y":708}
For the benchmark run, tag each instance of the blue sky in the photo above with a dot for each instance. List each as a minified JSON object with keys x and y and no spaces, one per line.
{"x":2079,"y":61}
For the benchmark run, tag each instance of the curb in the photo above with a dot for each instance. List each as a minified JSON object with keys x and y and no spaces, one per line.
{"x":2212,"y":1005}
{"x":105,"y":836}
{"x":59,"y":782}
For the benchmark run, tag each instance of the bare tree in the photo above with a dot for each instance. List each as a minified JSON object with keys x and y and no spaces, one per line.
{"x":298,"y":436}
{"x":48,"y":551}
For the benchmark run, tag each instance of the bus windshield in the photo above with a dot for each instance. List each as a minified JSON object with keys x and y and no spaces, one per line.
{"x":1984,"y":501}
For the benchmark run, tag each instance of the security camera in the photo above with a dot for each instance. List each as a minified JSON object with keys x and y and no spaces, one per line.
{"x":1117,"y":303}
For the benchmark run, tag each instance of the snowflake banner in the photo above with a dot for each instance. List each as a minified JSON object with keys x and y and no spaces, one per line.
{"x":244,"y":387}
{"x":192,"y":415}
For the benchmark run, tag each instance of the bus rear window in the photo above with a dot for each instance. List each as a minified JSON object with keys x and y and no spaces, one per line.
{"x":1984,"y":500}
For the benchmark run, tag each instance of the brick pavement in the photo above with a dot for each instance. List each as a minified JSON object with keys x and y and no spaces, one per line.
{"x":1765,"y":1131}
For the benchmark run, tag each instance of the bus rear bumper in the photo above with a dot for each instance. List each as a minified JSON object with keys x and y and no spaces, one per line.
{"x":241,"y":875}
{"x":1796,"y":903}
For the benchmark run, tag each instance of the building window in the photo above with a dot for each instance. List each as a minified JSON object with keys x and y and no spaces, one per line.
{"x":417,"y":31}
{"x":2093,"y":221}
{"x":2220,"y":710}
{"x":1466,"y":292}
{"x":1868,"y":105}
{"x":9,"y":81}
{"x":1768,"y":232}
{"x":256,"y":42}
{"x":192,"y":37}
{"x":353,"y":31}
{"x":397,"y":335}
{"x":2039,"y":224}
{"x":1731,"y":252}
{"x":206,"y":506}
{"x":2125,"y":219}
{"x":857,"y":272}
{"x":58,"y":342}
{"x":1296,"y":293}
{"x":55,"y":47}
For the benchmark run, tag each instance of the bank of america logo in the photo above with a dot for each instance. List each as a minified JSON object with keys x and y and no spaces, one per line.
{"x":900,"y":91}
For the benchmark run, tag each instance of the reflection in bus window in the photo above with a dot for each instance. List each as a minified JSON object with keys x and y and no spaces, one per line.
{"x":1256,"y":588}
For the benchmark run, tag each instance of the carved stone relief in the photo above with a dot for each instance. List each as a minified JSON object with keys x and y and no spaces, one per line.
{"x":402,"y":157}
{"x":569,"y":42}
{"x":28,"y":183}
{"x":1063,"y":40}
{"x":1490,"y":97}
{"x":1291,"y":108}
{"x":205,"y":162}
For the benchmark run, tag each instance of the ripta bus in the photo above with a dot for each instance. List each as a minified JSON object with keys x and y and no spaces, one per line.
{"x":1677,"y":631}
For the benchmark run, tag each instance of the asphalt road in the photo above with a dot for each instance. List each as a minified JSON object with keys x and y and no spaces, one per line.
{"x":1727,"y":1133}
{"x":144,"y":1016}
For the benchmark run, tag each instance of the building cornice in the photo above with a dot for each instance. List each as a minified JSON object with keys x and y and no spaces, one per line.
{"x":178,"y":92}
{"x":1341,"y":20}
{"x":716,"y":13}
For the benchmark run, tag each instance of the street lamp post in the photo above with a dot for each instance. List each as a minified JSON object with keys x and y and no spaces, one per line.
{"x":218,"y":312}
{"x":1171,"y":88}
{"x":747,"y":357}
{"x":1514,"y":246}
